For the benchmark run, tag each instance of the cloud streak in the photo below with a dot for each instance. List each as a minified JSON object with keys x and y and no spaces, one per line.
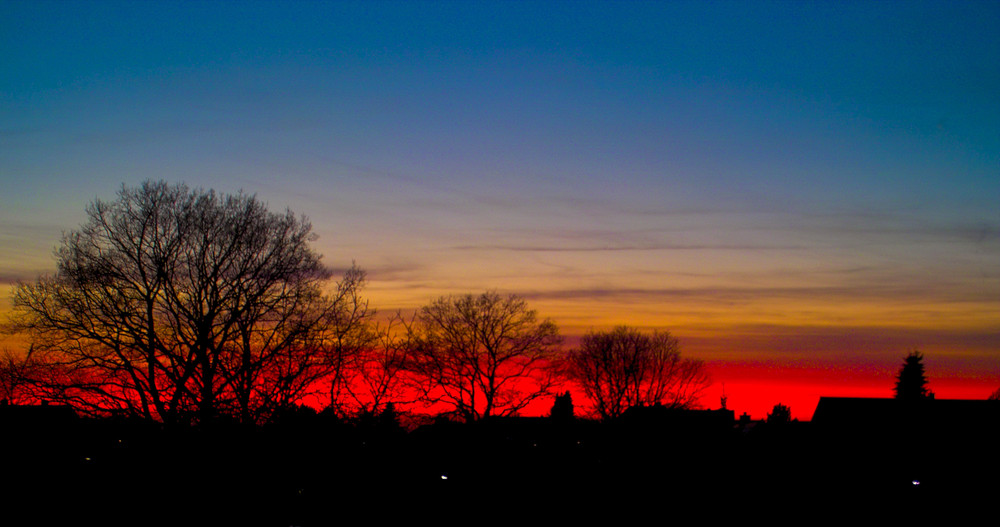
{"x":617,"y":248}
{"x":902,"y":292}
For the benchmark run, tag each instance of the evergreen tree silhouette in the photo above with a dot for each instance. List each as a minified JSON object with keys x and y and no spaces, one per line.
{"x":562,"y":409}
{"x":911,"y":384}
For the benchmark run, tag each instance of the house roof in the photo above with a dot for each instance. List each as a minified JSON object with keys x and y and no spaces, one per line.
{"x":885,"y":411}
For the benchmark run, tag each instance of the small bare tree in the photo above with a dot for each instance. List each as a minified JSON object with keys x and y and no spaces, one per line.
{"x":624,"y":367}
{"x":481,"y":355}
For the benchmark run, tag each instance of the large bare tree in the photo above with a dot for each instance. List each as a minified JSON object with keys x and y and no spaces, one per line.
{"x":624,"y":367}
{"x":182,"y":305}
{"x":481,"y":355}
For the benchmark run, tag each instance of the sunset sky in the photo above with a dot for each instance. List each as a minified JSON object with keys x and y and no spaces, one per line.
{"x":801,"y":192}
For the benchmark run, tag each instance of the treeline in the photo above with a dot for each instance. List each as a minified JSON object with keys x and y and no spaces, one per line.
{"x":185,"y":306}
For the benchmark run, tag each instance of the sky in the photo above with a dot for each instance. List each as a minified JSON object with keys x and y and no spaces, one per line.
{"x":801,"y":192}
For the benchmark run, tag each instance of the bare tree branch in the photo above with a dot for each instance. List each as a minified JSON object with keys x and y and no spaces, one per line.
{"x":184,"y":305}
{"x":481,"y":355}
{"x":623,"y":367}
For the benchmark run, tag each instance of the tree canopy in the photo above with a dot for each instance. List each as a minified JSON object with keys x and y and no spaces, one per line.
{"x":780,"y":414}
{"x":481,"y":355}
{"x":624,"y":367}
{"x":182,"y":305}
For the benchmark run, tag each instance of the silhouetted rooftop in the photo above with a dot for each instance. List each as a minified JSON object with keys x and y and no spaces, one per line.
{"x":887,"y":411}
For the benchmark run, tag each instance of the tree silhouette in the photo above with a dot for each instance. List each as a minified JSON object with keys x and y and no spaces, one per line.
{"x":911,"y":384}
{"x":624,"y":367}
{"x":371,"y":377}
{"x":480,"y":355}
{"x":780,"y":414}
{"x":562,"y":408}
{"x":995,"y":396}
{"x":182,"y":305}
{"x":17,"y":377}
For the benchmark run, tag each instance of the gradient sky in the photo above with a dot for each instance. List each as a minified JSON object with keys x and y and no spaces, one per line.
{"x":802,"y":192}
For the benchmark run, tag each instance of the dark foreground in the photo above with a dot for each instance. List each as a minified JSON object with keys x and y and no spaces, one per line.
{"x":313,"y":470}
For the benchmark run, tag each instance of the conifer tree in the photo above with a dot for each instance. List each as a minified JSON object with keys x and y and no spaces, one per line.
{"x":911,"y":384}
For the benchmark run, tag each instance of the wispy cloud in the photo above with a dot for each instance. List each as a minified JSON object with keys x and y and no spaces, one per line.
{"x":401,"y":272}
{"x":862,"y":290}
{"x":9,"y":279}
{"x":846,"y":344}
{"x":612,"y":248}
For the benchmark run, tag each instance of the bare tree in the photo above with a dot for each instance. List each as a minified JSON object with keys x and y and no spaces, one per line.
{"x":181,"y":305}
{"x":624,"y":367}
{"x":373,"y":378}
{"x":268,"y":378}
{"x":18,"y":374}
{"x":481,"y":355}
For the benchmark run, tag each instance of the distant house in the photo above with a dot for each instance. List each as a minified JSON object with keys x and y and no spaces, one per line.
{"x":854,"y":411}
{"x":937,"y":443}
{"x":662,"y":416}
{"x":926,"y":414}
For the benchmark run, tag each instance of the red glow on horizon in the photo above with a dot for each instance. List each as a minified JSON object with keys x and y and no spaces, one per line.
{"x":756,"y":388}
